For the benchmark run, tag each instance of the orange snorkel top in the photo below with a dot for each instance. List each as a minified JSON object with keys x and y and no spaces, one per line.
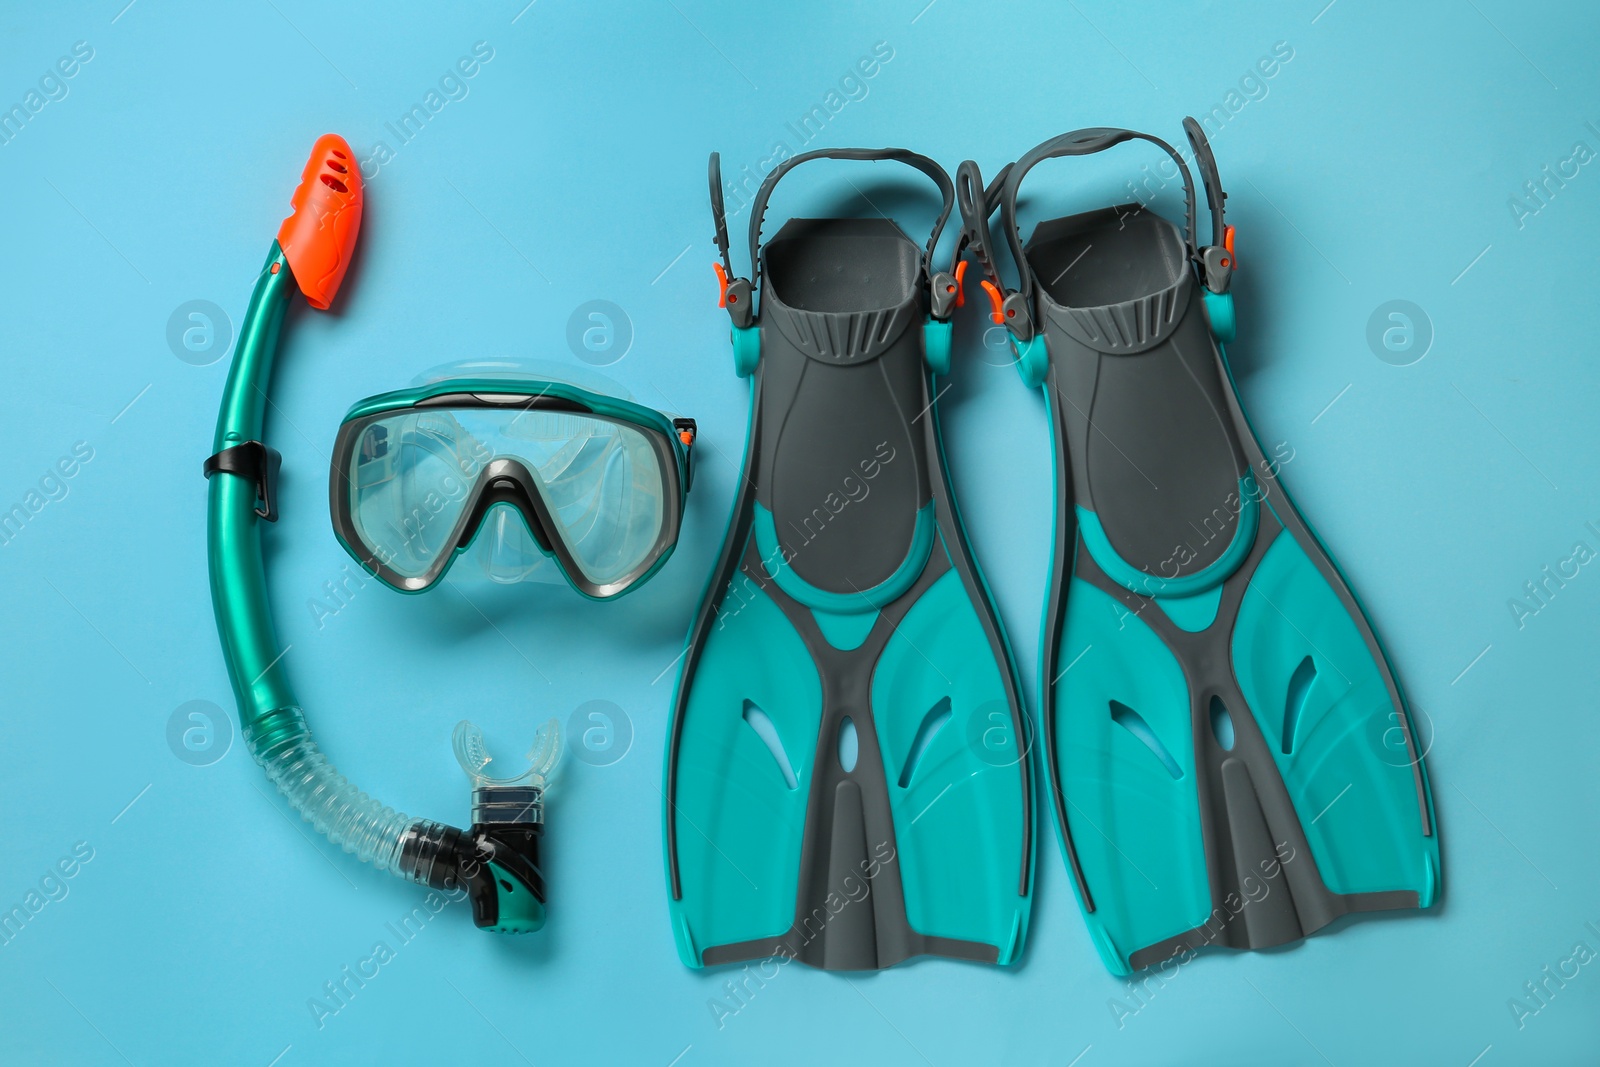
{"x":319,"y":238}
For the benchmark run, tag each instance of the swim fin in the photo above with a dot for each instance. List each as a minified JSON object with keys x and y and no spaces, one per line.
{"x":845,"y":779}
{"x":1231,"y":759}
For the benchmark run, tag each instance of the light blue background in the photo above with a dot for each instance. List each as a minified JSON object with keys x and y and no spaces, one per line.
{"x":1377,"y":166}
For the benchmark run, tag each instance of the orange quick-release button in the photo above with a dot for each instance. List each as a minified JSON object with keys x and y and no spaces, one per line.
{"x":687,"y":437}
{"x":997,"y":299}
{"x":722,"y":288}
{"x":1227,"y":244}
{"x":961,"y":286}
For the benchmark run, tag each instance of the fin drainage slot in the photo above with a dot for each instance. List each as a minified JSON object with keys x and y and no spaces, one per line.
{"x":1221,"y":724}
{"x":932,"y":723}
{"x":762,"y":724}
{"x":1294,"y":705}
{"x":849,"y":745}
{"x":1134,"y":723}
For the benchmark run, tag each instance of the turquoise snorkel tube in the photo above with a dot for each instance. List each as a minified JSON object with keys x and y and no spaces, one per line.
{"x":496,"y":861}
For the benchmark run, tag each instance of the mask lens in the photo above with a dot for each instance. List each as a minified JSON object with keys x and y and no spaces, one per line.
{"x":415,"y":476}
{"x":601,"y":481}
{"x":411,"y":477}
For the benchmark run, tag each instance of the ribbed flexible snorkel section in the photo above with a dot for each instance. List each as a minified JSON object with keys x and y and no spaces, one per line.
{"x":365,"y":827}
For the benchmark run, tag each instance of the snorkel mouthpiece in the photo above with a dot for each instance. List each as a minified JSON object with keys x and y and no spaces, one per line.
{"x":319,"y":237}
{"x":499,"y":865}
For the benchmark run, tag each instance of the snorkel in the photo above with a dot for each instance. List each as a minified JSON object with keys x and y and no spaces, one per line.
{"x":496,"y":860}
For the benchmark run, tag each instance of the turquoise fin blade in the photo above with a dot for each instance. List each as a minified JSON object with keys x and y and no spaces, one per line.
{"x":1232,"y":759}
{"x":741,"y":817}
{"x":846,"y":781}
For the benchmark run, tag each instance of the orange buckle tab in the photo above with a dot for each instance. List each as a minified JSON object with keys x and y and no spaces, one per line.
{"x":1227,"y":244}
{"x":686,"y":430}
{"x":961,"y":287}
{"x":722,"y":284}
{"x":996,"y":299}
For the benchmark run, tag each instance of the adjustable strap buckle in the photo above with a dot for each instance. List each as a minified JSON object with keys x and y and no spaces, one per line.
{"x":258,"y":463}
{"x":687,"y":430}
{"x":1010,"y":310}
{"x":1219,"y":263}
{"x":947,"y":292}
{"x":735,"y":294}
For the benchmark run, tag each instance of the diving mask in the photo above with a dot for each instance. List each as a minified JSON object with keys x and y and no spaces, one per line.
{"x":532,"y":469}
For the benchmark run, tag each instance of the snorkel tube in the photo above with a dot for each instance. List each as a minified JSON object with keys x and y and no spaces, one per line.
{"x":496,"y":861}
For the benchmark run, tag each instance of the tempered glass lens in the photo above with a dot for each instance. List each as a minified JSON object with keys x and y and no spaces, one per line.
{"x":415,"y":475}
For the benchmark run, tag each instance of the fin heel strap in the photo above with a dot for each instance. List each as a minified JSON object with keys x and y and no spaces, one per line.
{"x":758,"y":209}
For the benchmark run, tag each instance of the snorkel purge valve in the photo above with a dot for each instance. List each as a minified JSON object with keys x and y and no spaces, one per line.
{"x":496,"y":860}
